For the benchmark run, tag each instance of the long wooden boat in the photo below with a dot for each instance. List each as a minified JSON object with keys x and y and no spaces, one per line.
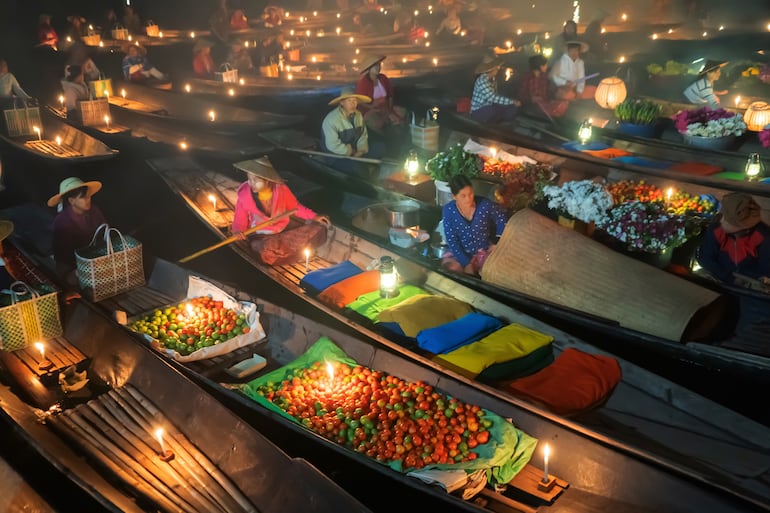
{"x":19,"y":494}
{"x":60,"y":143}
{"x":101,"y":434}
{"x":621,"y":422}
{"x":193,"y":112}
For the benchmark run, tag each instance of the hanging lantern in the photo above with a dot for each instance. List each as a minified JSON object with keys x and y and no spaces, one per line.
{"x":434,"y":114}
{"x":584,"y":132}
{"x":412,"y":165}
{"x":754,"y":168}
{"x":388,"y":278}
{"x":757,"y":116}
{"x":610,"y":92}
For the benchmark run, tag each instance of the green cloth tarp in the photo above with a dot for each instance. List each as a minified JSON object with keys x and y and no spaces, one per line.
{"x":507,"y":452}
{"x":370,"y":305}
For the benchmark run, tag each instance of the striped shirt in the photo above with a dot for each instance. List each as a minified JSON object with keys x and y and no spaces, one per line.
{"x":701,"y":92}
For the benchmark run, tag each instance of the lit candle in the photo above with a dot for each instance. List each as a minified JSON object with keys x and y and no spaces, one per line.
{"x":36,"y":129}
{"x":338,"y":30}
{"x":351,"y":39}
{"x":130,"y":38}
{"x":101,"y":44}
{"x":187,"y":88}
{"x":123,"y":93}
{"x":107,"y":95}
{"x":315,"y":13}
{"x":192,"y":35}
{"x":61,"y":100}
{"x":622,"y":59}
{"x":330,"y":372}
{"x":313,"y":58}
{"x":669,"y":195}
{"x":231,"y":91}
{"x":624,"y":17}
{"x":338,"y":15}
{"x":518,"y":32}
{"x":318,"y":77}
{"x":41,"y":349}
{"x":212,"y":116}
{"x":435,"y":61}
{"x":307,"y":259}
{"x":160,"y":34}
{"x":508,"y":44}
{"x":183,"y":145}
{"x":159,"y":436}
{"x":546,"y":454}
{"x":494,"y":152}
{"x":213,"y":200}
{"x":107,"y":121}
{"x":737,"y":100}
{"x":44,"y":364}
{"x":58,"y":140}
{"x":241,"y":81}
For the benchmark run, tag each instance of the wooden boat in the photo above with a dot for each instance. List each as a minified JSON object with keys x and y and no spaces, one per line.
{"x":60,"y":143}
{"x":193,"y":184}
{"x":18,"y":494}
{"x":109,"y":447}
{"x":191,"y":112}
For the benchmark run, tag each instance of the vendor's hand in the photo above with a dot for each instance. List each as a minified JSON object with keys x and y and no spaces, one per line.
{"x":324,"y":220}
{"x":359,"y":153}
{"x":469,"y":269}
{"x":394,"y":118}
{"x":71,"y":295}
{"x":721,"y":93}
{"x":240,"y":235}
{"x":517,"y":103}
{"x":349,"y":150}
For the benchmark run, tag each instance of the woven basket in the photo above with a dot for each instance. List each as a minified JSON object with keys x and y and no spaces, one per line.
{"x":425,"y":136}
{"x":120,"y":33}
{"x":21,"y":122}
{"x":30,"y":317}
{"x":110,"y":266}
{"x":92,"y":40}
{"x":153,"y":30}
{"x":226,"y":73}
{"x":93,"y":111}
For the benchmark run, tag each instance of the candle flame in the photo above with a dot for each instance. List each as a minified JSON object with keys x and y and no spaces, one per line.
{"x":183,"y":145}
{"x":107,"y":120}
{"x":435,"y":61}
{"x":231,"y":91}
{"x":159,"y":436}
{"x":413,"y":231}
{"x":318,"y":77}
{"x":160,"y":34}
{"x":192,"y":35}
{"x":338,"y":30}
{"x":518,"y":32}
{"x":36,"y":129}
{"x":241,"y":81}
{"x":130,"y":38}
{"x":41,"y":348}
{"x":123,"y":93}
{"x":330,"y":371}
{"x":494,"y":152}
{"x":58,"y":140}
{"x":351,"y":39}
{"x":546,"y":452}
{"x":212,"y":115}
{"x":508,"y":44}
{"x":306,"y":252}
{"x":313,"y":58}
{"x":101,"y":44}
{"x":187,"y":88}
{"x":624,"y":17}
{"x":61,"y":99}
{"x":622,"y":59}
{"x":737,"y":100}
{"x":669,"y":193}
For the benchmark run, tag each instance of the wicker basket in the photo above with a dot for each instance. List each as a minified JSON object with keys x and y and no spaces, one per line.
{"x":31,"y":316}
{"x":120,"y":33}
{"x":153,"y":30}
{"x":92,"y":112}
{"x":21,"y":122}
{"x":92,"y":40}
{"x":227,"y":73}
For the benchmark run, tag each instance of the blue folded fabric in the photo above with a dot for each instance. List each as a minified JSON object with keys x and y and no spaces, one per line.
{"x":316,"y":282}
{"x":452,"y":335}
{"x":643,"y":162}
{"x":590,"y":146}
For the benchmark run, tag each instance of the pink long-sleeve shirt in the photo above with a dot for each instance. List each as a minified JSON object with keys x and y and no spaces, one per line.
{"x":248,"y":215}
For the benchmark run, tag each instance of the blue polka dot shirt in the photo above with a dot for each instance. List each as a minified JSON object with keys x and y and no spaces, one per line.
{"x":464,"y":237}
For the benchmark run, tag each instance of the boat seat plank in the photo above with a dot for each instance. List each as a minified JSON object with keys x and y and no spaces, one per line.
{"x":58,"y":351}
{"x":51,"y":148}
{"x":137,"y":301}
{"x":139,"y":106}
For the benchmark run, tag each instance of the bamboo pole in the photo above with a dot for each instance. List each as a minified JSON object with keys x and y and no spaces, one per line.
{"x":68,"y":429}
{"x":118,"y":454}
{"x":162,"y":470}
{"x":238,"y":236}
{"x":133,"y":395}
{"x":347,"y":157}
{"x":186,"y":466}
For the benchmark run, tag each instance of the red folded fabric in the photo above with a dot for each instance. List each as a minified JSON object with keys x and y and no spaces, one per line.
{"x":608,"y":153}
{"x":573,"y":383}
{"x":345,"y":292}
{"x":464,"y":105}
{"x":697,"y":168}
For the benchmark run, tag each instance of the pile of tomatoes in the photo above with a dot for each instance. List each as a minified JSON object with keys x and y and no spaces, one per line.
{"x":380,"y":415}
{"x":500,"y":168}
{"x":629,"y":190}
{"x":197,"y":323}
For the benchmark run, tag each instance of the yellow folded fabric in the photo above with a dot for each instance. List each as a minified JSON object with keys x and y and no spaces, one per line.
{"x":424,"y":311}
{"x":508,"y":343}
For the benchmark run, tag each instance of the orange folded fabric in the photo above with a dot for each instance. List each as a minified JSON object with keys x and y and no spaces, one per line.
{"x":574,"y":382}
{"x":608,"y":153}
{"x":697,"y":168}
{"x":345,"y":292}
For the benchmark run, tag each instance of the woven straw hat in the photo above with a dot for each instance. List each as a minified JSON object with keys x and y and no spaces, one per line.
{"x":370,"y":60}
{"x":348,"y":92}
{"x":70,"y":184}
{"x":739,"y":212}
{"x":260,"y":167}
{"x":488,"y":64}
{"x":6,"y":229}
{"x":712,"y":66}
{"x":583,"y":45}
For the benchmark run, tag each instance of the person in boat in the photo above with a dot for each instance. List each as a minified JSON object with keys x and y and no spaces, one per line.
{"x":381,"y":116}
{"x":46,"y":34}
{"x":273,"y":16}
{"x":132,"y":21}
{"x":203,"y":63}
{"x":568,"y":33}
{"x":701,"y":92}
{"x":265,"y":195}
{"x":568,"y":74}
{"x":75,"y":31}
{"x":471,"y":224}
{"x":343,"y":129}
{"x":74,"y":88}
{"x":6,"y":274}
{"x":78,"y":54}
{"x":75,"y":223}
{"x":451,"y":24}
{"x":487,"y":105}
{"x":136,"y":66}
{"x":738,"y":242}
{"x":238,"y":57}
{"x":10,"y":90}
{"x":536,"y":92}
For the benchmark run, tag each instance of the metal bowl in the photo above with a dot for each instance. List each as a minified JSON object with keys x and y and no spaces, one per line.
{"x":438,"y":250}
{"x":403,"y":214}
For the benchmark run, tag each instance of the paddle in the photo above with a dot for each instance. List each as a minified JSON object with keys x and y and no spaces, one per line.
{"x":335,"y":156}
{"x":239,"y":236}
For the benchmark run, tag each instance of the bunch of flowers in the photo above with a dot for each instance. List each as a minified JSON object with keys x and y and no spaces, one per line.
{"x":705,"y":122}
{"x":764,"y":137}
{"x":645,"y":226}
{"x":520,"y":188}
{"x":630,"y":190}
{"x":584,"y":200}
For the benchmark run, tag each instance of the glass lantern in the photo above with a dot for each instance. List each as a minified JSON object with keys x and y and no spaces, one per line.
{"x":584,"y":132}
{"x":388,"y":278}
{"x":754,"y":168}
{"x":434,"y":114}
{"x":412,"y":165}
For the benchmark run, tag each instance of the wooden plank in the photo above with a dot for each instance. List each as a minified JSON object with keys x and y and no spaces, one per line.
{"x":527,"y":481}
{"x":54,"y":149}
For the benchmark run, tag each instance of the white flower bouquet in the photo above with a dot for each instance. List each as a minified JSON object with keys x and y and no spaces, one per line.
{"x":704,"y":122}
{"x":584,"y":200}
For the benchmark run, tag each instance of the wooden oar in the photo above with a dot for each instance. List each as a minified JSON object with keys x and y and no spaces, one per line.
{"x":239,"y":236}
{"x":335,"y":156}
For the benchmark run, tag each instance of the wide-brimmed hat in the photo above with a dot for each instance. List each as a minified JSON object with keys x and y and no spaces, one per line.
{"x":260,"y":167}
{"x":739,"y":212}
{"x":488,"y":64}
{"x":370,"y":60}
{"x":200,"y":44}
{"x":583,"y":45}
{"x":70,"y":184}
{"x":6,"y":228}
{"x":711,"y":66}
{"x":348,"y":92}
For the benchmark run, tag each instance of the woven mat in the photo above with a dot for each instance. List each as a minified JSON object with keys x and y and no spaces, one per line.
{"x":537,"y":256}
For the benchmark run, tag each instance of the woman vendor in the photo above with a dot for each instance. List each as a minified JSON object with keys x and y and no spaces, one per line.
{"x":739,"y":242}
{"x":471,"y":223}
{"x":75,"y":223}
{"x":265,"y":195}
{"x":203,"y":63}
{"x":74,"y":87}
{"x":701,"y":92}
{"x":381,"y":116}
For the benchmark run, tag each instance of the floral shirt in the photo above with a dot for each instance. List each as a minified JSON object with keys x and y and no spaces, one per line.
{"x":485,"y":93}
{"x":464,"y":237}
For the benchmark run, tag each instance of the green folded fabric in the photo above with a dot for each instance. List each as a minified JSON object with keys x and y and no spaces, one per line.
{"x":370,"y":305}
{"x":520,"y":367}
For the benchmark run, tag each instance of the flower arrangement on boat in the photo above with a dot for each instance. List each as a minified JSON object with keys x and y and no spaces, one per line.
{"x":455,"y":161}
{"x":522,"y":187}
{"x":585,"y":200}
{"x":647,"y":227}
{"x":705,"y":122}
{"x":764,"y":137}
